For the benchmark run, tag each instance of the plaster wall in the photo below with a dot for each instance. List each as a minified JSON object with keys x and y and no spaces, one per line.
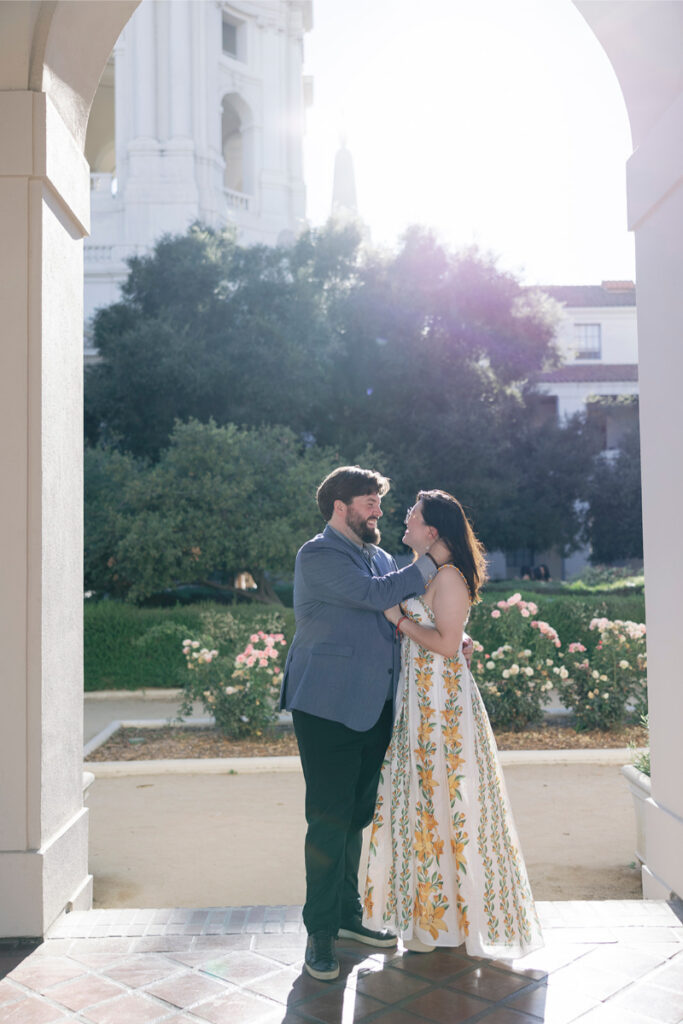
{"x":659,"y":262}
{"x":572,"y":396}
{"x":619,"y":333}
{"x":650,"y":77}
{"x":47,"y":87}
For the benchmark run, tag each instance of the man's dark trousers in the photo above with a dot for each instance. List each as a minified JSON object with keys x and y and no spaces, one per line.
{"x":341,"y":769}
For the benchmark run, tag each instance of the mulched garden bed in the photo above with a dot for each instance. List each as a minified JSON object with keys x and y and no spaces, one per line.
{"x":135,"y":744}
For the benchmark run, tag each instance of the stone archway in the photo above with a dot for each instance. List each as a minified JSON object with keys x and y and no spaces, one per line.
{"x":51,"y":57}
{"x":643,"y":42}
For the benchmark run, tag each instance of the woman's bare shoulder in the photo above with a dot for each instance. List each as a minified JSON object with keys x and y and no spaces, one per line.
{"x":450,"y":581}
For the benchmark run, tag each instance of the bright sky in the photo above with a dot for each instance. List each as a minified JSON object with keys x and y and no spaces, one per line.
{"x":498,"y":122}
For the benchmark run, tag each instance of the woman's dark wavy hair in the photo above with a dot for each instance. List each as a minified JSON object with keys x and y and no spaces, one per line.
{"x":445,"y":513}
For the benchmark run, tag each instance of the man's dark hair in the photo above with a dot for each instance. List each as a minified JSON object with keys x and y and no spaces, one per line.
{"x":345,"y":484}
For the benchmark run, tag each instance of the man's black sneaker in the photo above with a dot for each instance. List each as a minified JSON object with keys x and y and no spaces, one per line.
{"x":320,"y":960}
{"x":355,"y":929}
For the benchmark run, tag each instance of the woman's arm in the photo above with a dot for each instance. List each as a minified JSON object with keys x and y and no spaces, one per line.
{"x":450,"y":607}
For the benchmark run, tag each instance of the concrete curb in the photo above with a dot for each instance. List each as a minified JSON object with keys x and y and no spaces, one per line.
{"x":195,"y":766}
{"x":255,"y":765}
{"x":142,"y":723}
{"x":153,"y":693}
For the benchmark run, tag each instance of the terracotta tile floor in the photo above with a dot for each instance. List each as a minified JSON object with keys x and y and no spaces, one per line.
{"x":604,"y":963}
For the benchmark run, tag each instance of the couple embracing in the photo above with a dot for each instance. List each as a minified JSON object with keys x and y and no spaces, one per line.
{"x":392,"y":730}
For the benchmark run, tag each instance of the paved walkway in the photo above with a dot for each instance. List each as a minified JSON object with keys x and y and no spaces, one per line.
{"x":150,"y":819}
{"x":604,"y":963}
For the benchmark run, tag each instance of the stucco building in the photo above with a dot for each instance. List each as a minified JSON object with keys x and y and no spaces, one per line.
{"x":598,"y":341}
{"x":199,"y":115}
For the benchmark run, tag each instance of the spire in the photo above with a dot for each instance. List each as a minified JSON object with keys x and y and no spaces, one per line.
{"x":344,"y":189}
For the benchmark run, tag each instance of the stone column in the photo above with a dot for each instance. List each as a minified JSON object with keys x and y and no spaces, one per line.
{"x":655,"y":196}
{"x":44,"y":210}
{"x":273,"y":178}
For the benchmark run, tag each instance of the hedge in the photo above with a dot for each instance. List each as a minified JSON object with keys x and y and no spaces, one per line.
{"x":569,"y":613}
{"x":129,"y":648}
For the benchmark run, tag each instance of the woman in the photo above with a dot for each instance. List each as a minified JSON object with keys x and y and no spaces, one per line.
{"x":444,"y":864}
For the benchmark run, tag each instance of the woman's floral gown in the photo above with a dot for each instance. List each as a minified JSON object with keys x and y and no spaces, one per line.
{"x":445,"y":864}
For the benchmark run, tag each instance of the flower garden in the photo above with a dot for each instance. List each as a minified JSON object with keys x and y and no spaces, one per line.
{"x":603,"y":681}
{"x":588,"y":650}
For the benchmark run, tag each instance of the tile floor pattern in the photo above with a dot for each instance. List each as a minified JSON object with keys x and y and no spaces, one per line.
{"x":608,"y":962}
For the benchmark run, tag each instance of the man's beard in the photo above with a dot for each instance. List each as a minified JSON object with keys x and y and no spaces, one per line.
{"x":368,"y":534}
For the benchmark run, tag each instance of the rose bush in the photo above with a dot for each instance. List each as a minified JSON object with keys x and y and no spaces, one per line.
{"x":522,"y":659}
{"x":515,"y":677}
{"x":239,"y":690}
{"x":608,"y":684}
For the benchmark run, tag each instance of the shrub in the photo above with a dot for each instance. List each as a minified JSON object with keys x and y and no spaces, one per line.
{"x":640,"y":759}
{"x":129,"y":648}
{"x":606,"y":682}
{"x":239,"y":689}
{"x":600,"y":675}
{"x":515,"y":678}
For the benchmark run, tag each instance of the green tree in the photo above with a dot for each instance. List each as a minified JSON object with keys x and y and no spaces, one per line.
{"x":436,"y":354}
{"x":614,"y":526}
{"x":209,"y":329}
{"x":219,"y":501}
{"x":424,"y":354}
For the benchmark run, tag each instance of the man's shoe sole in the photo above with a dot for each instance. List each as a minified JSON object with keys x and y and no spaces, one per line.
{"x":346,"y":933}
{"x":321,"y":975}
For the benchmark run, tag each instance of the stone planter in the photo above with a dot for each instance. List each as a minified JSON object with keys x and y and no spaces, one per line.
{"x":639,"y":785}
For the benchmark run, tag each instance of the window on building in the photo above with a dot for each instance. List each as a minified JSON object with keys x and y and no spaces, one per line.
{"x":230,"y":38}
{"x":587,"y":341}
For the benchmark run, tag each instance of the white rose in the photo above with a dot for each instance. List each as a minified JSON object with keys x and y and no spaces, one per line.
{"x":506,"y":674}
{"x":514,"y":670}
{"x":490,"y":664}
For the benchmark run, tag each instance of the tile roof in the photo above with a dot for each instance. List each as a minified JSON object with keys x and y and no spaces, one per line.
{"x":591,"y":372}
{"x":609,"y":293}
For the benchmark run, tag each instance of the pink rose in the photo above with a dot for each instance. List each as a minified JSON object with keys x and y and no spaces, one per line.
{"x":495,"y":614}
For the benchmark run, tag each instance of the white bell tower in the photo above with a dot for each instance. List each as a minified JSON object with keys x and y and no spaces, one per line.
{"x":199,"y":116}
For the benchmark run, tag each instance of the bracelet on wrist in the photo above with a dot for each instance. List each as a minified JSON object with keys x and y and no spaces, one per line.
{"x":398,"y":625}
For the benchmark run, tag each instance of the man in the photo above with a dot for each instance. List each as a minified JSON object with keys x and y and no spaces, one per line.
{"x":339,"y":682}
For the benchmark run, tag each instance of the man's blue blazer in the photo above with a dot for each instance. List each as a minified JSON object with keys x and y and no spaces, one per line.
{"x":344,"y":660}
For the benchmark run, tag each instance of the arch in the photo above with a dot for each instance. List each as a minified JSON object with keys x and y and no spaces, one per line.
{"x":47,"y":82}
{"x":48,"y":78}
{"x":642,"y":41}
{"x":100,"y":138}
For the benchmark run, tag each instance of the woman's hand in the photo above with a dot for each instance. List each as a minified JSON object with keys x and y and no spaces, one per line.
{"x":393,"y":614}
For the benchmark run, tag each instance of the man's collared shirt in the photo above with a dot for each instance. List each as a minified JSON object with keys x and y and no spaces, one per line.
{"x":423,"y":563}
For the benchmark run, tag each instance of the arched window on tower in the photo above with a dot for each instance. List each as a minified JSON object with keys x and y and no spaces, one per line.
{"x":237,"y":134}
